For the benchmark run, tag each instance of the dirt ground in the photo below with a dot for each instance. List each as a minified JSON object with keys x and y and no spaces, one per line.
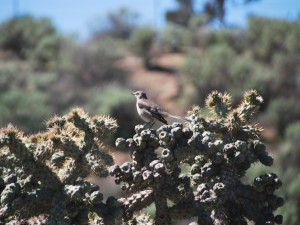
{"x":162,"y":87}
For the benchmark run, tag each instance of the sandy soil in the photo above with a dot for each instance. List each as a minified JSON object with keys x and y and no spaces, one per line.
{"x":161,"y":87}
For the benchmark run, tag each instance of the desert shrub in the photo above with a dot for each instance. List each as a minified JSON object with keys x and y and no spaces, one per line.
{"x":281,"y":112}
{"x":204,"y":37}
{"x":229,"y":36}
{"x":290,"y":213}
{"x":209,"y":71}
{"x":57,"y":67}
{"x":274,"y":42}
{"x":176,"y":37}
{"x":216,"y":60}
{"x":118,"y":102}
{"x":220,"y":68}
{"x":47,"y":52}
{"x":291,"y":146}
{"x":286,"y":74}
{"x":141,"y":42}
{"x":291,"y":43}
{"x":19,"y":106}
{"x":15,"y":74}
{"x":23,"y":96}
{"x":289,"y":160}
{"x":21,"y":35}
{"x":246,"y":74}
{"x":95,"y":62}
{"x":198,"y":21}
{"x":109,"y":97}
{"x":266,"y":37}
{"x":195,"y":34}
{"x":8,"y":72}
{"x":54,"y":73}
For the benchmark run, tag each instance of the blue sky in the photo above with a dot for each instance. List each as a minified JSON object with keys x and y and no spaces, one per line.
{"x":78,"y":16}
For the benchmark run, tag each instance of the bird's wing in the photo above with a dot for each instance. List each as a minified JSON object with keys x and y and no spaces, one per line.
{"x":155,"y":110}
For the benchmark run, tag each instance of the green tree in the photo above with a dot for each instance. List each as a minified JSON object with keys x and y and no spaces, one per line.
{"x":213,"y":9}
{"x":141,"y":43}
{"x":121,"y":23}
{"x":20,"y":35}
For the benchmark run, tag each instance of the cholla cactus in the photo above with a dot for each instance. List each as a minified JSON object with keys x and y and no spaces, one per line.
{"x":42,"y":176}
{"x":219,"y":150}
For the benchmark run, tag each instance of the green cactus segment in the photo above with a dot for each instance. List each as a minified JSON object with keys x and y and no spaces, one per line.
{"x":219,"y":150}
{"x":42,"y":176}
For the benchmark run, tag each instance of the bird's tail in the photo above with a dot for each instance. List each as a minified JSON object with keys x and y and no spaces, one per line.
{"x":179,"y":117}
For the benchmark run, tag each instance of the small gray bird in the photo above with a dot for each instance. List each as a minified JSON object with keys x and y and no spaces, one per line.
{"x":149,"y":111}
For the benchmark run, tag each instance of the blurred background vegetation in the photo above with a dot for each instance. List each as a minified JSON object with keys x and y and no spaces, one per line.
{"x":45,"y":72}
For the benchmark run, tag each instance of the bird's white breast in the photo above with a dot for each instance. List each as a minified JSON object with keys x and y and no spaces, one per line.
{"x":144,"y":114}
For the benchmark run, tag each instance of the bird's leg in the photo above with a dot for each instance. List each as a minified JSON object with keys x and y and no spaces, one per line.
{"x":151,"y":123}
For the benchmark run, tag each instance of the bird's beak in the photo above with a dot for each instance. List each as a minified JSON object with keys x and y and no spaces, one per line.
{"x":132,"y":93}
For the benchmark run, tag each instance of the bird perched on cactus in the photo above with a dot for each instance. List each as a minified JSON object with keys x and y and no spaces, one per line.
{"x":150,"y":111}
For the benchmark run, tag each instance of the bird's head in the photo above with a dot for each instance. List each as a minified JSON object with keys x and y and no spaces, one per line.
{"x":139,"y":95}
